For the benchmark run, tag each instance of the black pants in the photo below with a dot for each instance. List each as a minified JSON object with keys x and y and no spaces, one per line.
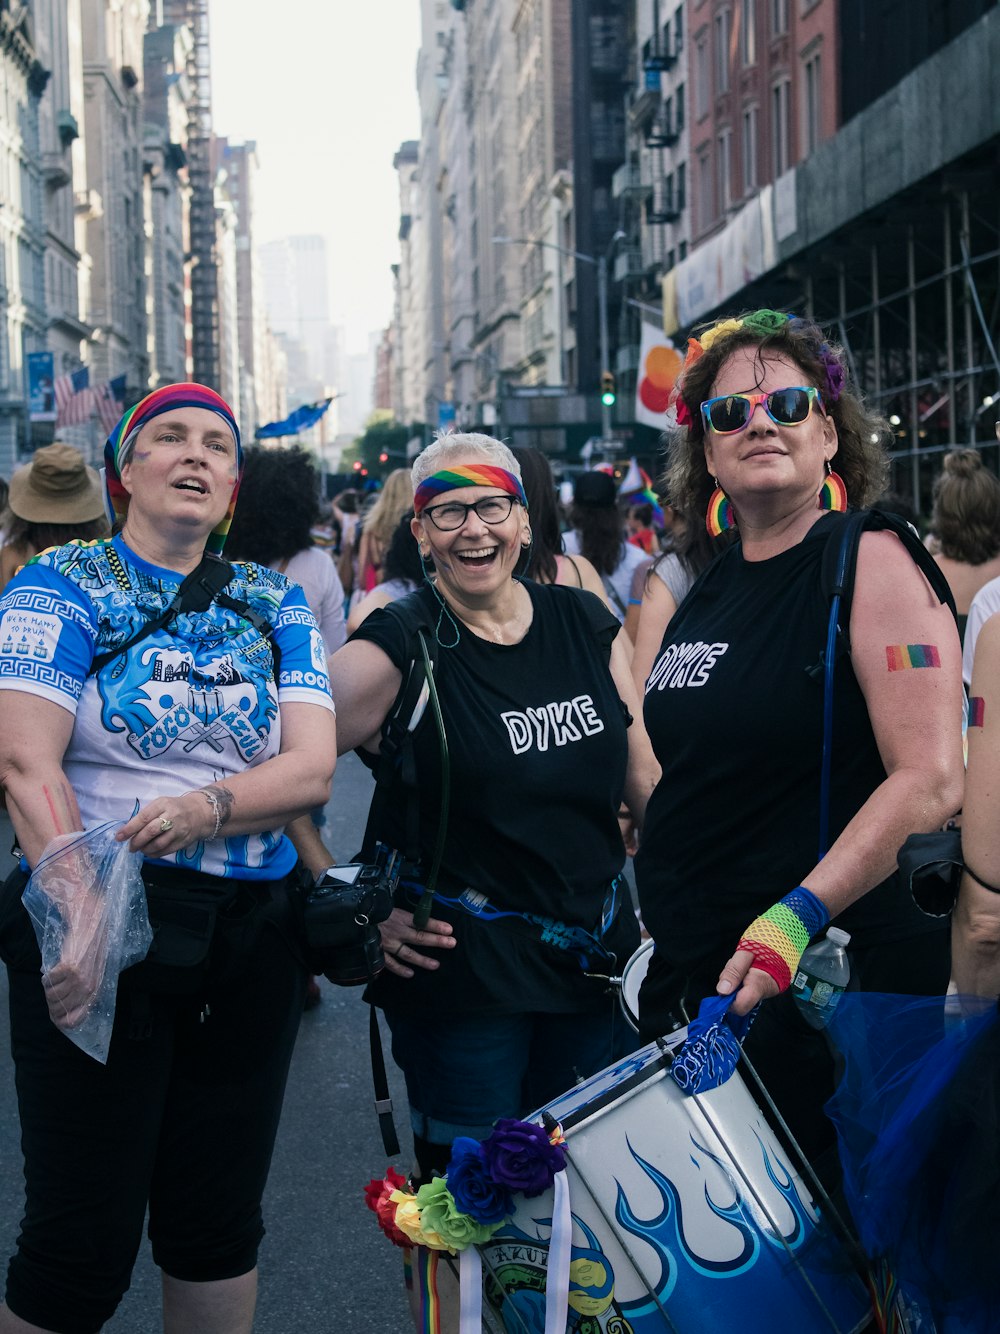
{"x":184,"y":1119}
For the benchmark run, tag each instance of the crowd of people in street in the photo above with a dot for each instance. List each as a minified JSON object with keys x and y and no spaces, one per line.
{"x":759,"y":690}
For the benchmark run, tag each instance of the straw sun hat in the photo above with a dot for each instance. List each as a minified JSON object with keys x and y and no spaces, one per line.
{"x":56,"y":487}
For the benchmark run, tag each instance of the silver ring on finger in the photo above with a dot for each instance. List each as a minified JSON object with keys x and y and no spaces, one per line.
{"x":166,"y":824}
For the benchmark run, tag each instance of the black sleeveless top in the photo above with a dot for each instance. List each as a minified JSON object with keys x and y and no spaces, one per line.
{"x":734,"y":709}
{"x":538,"y":747}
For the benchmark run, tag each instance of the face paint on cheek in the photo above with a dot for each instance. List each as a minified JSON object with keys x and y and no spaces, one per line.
{"x":141,"y":454}
{"x":977,"y":711}
{"x":902,"y":657}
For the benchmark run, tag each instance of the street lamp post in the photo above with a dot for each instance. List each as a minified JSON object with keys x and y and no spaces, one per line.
{"x":600,"y":262}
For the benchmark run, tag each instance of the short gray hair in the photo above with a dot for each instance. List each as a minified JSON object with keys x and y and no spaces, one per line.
{"x":460,"y":444}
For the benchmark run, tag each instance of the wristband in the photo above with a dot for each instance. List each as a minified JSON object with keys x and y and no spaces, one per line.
{"x":779,"y":936}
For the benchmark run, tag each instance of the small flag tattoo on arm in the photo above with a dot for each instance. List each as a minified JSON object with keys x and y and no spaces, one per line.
{"x":977,"y":710}
{"x":901,"y":657}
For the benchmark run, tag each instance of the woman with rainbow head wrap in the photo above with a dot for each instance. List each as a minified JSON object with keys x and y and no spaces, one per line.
{"x":187,"y":700}
{"x":748,"y":851}
{"x":490,"y":1003}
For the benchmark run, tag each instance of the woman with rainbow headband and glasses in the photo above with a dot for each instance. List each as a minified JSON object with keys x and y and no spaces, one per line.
{"x":538,"y":707}
{"x":772,"y":444}
{"x":146,"y":699}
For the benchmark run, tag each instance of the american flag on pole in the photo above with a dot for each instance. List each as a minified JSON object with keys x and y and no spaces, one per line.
{"x":73,"y":398}
{"x":109,"y":400}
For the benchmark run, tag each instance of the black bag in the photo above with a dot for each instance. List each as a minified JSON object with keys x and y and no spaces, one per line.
{"x":931,"y":866}
{"x":184,"y":912}
{"x":18,"y":944}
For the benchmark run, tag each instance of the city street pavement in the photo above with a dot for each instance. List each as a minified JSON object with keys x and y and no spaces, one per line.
{"x":324,"y":1265}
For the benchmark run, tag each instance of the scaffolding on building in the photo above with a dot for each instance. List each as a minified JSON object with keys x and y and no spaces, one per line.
{"x":912,"y":291}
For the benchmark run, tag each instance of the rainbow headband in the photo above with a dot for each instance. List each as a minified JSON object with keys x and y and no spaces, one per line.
{"x":122,"y":440}
{"x":474,"y":474}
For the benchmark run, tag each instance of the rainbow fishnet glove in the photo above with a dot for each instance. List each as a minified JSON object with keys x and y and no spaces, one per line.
{"x":778,"y":937}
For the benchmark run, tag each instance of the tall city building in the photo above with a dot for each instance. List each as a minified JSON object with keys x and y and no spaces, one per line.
{"x":22,"y":227}
{"x":409,"y":395}
{"x":239,"y":164}
{"x":112,"y":204}
{"x":166,"y":110}
{"x":296,"y":294}
{"x":63,"y":160}
{"x":541,"y":32}
{"x":202,"y":218}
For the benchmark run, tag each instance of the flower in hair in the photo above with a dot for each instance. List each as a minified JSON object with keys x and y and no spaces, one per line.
{"x":765,"y":322}
{"x":836,"y":376}
{"x":717,"y":331}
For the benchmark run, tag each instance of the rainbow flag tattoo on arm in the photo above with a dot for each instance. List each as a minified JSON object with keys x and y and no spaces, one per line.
{"x":901,"y":657}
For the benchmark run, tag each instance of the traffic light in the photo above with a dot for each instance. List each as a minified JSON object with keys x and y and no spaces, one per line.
{"x":608,"y":393}
{"x":383,"y":457}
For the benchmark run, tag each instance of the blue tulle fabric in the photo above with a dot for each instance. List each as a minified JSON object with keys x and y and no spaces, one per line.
{"x":917,"y":1113}
{"x":712,"y":1047}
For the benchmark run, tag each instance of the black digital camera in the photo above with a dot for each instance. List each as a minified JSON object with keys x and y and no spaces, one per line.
{"x":341,"y":913}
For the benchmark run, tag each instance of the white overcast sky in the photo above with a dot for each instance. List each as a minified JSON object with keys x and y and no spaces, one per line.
{"x":327,"y":88}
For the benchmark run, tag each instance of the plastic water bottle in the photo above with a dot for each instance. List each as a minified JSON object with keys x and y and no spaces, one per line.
{"x":822,"y":975}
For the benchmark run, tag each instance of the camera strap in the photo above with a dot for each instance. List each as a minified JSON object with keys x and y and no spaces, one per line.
{"x":397,"y":757}
{"x":197,"y":592}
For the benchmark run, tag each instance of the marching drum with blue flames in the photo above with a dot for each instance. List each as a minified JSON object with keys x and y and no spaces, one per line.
{"x":684,"y":1214}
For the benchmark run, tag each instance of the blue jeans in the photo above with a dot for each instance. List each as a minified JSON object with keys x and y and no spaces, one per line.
{"x":465,"y":1072}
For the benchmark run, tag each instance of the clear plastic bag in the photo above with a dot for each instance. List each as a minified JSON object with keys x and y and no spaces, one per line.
{"x":88,"y":907}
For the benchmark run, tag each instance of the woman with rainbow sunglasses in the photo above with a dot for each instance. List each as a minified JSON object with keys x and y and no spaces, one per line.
{"x":734,"y":871}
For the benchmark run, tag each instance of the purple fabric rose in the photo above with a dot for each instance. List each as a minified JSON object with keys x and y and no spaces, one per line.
{"x":519,"y":1156}
{"x":836,"y":377}
{"x":472,"y":1189}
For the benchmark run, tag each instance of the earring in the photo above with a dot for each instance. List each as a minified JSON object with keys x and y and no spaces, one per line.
{"x":833,"y":492}
{"x":719,"y":516}
{"x":526,"y":539}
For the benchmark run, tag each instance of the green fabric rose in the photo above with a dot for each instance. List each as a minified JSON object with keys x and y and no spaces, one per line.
{"x":765,"y":322}
{"x":440,"y":1214}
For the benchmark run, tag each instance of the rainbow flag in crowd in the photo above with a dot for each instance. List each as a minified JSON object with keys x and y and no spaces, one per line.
{"x":637,"y":489}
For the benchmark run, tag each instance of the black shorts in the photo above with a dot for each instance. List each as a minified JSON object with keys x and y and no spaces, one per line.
{"x":183,"y":1119}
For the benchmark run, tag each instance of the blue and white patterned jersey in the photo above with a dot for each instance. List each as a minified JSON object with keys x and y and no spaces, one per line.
{"x":184,"y":707}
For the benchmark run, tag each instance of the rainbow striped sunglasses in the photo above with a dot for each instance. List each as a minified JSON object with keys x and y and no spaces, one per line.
{"x":786,"y":407}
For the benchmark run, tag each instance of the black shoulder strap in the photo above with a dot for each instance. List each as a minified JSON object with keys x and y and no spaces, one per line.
{"x":396,"y":751}
{"x":197,"y":592}
{"x":840,"y":563}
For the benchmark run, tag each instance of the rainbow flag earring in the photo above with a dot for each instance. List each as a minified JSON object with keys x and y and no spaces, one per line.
{"x":833,"y":492}
{"x":719,"y":517}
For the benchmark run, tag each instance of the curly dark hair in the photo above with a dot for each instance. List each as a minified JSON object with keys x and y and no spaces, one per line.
{"x":546,"y":537}
{"x":966,"y":513}
{"x":862,"y":458}
{"x":402,"y":555}
{"x":278,"y":504}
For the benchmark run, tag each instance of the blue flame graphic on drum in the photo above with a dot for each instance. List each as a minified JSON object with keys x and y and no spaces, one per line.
{"x":664,"y":1232}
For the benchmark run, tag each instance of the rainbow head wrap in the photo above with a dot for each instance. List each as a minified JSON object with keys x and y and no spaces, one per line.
{"x":471,"y":474}
{"x":122,"y":439}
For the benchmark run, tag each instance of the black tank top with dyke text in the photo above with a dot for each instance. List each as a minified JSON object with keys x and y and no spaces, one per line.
{"x":734,"y":708}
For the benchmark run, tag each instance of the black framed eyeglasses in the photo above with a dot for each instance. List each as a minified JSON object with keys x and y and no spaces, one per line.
{"x":730,"y":413}
{"x":453,"y":513}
